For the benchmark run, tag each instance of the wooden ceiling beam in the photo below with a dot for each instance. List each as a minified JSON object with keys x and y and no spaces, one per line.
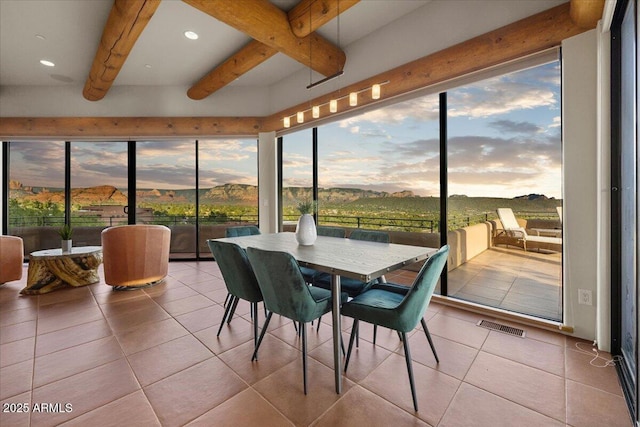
{"x":250,"y":56}
{"x":126,"y":128}
{"x":267,"y":24}
{"x":309,"y":15}
{"x":126,"y":21}
{"x":586,"y":13}
{"x":256,"y":52}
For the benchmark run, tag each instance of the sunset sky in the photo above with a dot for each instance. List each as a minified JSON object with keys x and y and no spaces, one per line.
{"x":504,"y":141}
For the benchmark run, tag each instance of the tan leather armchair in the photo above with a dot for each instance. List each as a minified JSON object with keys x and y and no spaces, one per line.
{"x":135,"y":255}
{"x":11,"y":258}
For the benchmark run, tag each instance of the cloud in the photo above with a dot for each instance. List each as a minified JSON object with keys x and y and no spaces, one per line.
{"x":557,"y":122}
{"x":509,"y":126}
{"x":295,"y":160}
{"x":421,"y":109}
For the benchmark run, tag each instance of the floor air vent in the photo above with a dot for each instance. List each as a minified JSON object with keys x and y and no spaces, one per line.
{"x":501,"y":328}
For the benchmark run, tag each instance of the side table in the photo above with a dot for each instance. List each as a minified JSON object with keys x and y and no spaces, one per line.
{"x":53,"y":269}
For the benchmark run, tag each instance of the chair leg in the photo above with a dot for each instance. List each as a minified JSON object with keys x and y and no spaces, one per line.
{"x":354,"y":332}
{"x":233,"y":309}
{"x":319,"y":321}
{"x":254,"y":311}
{"x":407,"y":356}
{"x":226,"y":300}
{"x":264,"y":330}
{"x":426,"y":332}
{"x":375,"y":332}
{"x":303,"y":328}
{"x":225,"y":315}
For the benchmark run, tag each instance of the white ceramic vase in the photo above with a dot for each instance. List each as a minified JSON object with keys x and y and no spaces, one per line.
{"x":306,"y":232}
{"x":66,"y":245}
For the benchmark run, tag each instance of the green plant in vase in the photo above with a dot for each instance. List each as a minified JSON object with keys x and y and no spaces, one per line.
{"x":65,"y":233}
{"x":307,"y":207}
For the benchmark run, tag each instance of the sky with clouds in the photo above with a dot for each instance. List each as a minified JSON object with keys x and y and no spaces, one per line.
{"x":503,"y":141}
{"x":503,"y":137}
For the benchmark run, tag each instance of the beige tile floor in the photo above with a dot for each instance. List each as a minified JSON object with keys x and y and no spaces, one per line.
{"x":151,"y":357}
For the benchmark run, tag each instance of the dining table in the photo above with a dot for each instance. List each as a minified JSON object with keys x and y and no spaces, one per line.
{"x":340,"y":257}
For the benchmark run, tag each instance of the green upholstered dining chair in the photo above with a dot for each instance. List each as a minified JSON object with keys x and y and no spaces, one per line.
{"x":309,"y":273}
{"x":399,"y":312}
{"x":237,"y":231}
{"x":239,"y":278}
{"x":242,"y":230}
{"x":353,"y":287}
{"x":286,"y":293}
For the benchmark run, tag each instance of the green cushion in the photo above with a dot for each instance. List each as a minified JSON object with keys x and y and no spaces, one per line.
{"x":236,"y":270}
{"x":324,"y":230}
{"x":309,"y":274}
{"x":392,"y":287}
{"x":353,"y":287}
{"x":370,"y":235}
{"x":392,"y":309}
{"x":284,"y":290}
{"x":242,"y":230}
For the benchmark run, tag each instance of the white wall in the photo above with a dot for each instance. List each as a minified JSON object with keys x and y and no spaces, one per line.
{"x":603,"y":321}
{"x":268,"y":182}
{"x":581,"y":187}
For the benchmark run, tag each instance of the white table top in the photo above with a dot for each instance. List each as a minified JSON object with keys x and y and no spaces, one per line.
{"x":355,"y":259}
{"x":57,"y":253}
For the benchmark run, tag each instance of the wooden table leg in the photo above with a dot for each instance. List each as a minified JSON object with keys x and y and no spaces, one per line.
{"x":48,"y":274}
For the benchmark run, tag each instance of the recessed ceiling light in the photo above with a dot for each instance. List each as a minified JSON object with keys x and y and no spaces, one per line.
{"x":47,"y":63}
{"x":191,"y":35}
{"x":147,"y":65}
{"x":40,"y":36}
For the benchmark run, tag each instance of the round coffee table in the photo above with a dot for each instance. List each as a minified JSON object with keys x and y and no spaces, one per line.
{"x":53,"y":269}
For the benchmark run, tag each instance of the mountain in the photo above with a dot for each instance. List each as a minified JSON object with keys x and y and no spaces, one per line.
{"x":103,"y":194}
{"x":533,"y":197}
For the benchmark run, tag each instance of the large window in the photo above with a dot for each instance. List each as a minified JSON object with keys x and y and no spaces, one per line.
{"x":195,"y":192}
{"x":166,"y":191}
{"x":380,"y":170}
{"x":99,"y":193}
{"x":228,"y":187}
{"x":384,"y":170}
{"x":36,"y":192}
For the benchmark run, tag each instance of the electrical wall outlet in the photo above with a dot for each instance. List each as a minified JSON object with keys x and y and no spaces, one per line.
{"x":584,"y":297}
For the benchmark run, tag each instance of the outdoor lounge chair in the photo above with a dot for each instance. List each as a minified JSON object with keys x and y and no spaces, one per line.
{"x":514,"y":230}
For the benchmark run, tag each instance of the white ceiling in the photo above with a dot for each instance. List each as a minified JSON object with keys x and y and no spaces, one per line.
{"x":73,"y":28}
{"x":376,"y":35}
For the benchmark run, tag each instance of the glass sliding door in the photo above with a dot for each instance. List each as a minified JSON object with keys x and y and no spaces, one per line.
{"x":36,"y":193}
{"x":227,"y":187}
{"x":166,"y":191}
{"x":625,"y":242}
{"x":505,"y":151}
{"x":98,"y":189}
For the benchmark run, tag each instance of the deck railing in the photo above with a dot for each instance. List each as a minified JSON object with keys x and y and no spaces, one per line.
{"x":352,"y":221}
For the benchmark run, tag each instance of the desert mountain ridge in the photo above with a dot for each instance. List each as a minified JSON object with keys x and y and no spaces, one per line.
{"x":241,"y":194}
